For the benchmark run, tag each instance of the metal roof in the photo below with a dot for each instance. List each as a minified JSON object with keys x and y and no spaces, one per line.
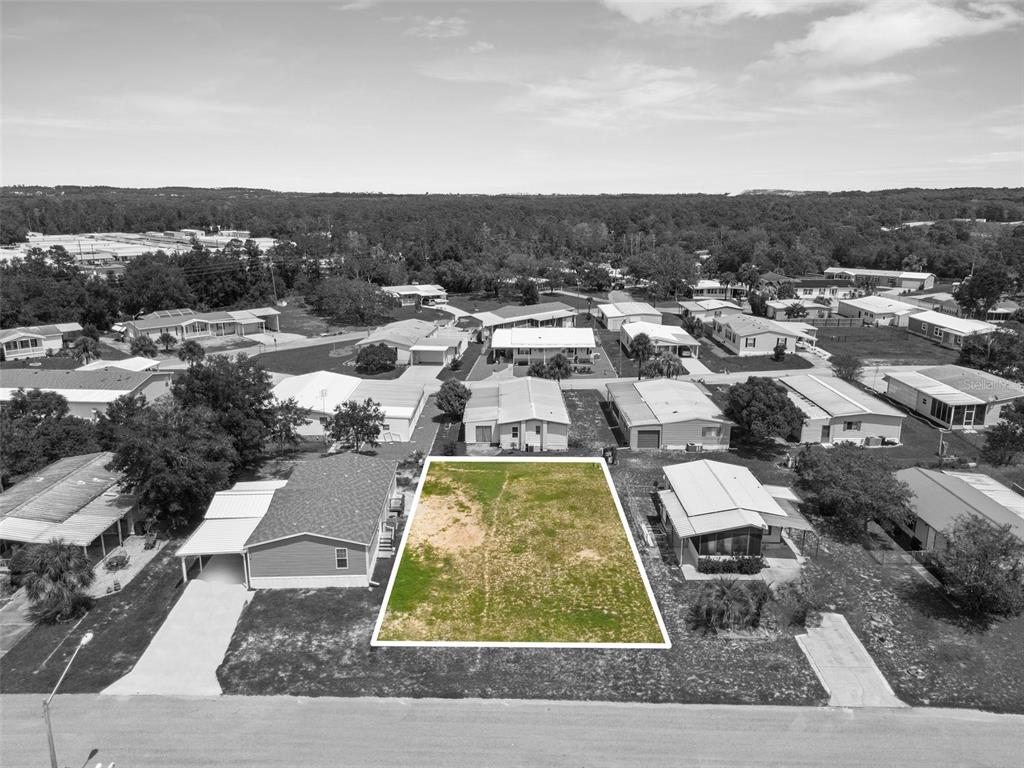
{"x":401,"y":333}
{"x":941,"y":497}
{"x":340,"y":497}
{"x":878,"y":273}
{"x":881,"y":305}
{"x":397,"y":400}
{"x":624,"y":308}
{"x":663,"y":401}
{"x":960,"y":325}
{"x":235,"y":503}
{"x":746,"y":325}
{"x":538,"y":312}
{"x":668,"y":334}
{"x":319,"y":391}
{"x":989,"y":387}
{"x":518,"y":399}
{"x":219,"y":536}
{"x":418,"y":290}
{"x":543,"y":338}
{"x":833,"y":397}
{"x":706,"y":305}
{"x":131,"y":364}
{"x":936,"y":389}
{"x":74,"y":499}
{"x":713,"y":486}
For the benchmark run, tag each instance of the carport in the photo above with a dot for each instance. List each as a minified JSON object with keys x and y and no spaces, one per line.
{"x":229,"y":522}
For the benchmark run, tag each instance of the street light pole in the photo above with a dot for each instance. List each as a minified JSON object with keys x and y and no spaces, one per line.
{"x":86,"y":638}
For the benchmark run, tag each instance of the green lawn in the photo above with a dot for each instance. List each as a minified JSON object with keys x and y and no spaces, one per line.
{"x":754,"y":363}
{"x":338,"y":357}
{"x":478,"y":302}
{"x":523,"y":552}
{"x":895,"y":346}
{"x":122,"y":625}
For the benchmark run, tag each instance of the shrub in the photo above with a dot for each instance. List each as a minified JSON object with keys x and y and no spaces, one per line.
{"x":55,"y":580}
{"x":794,"y":603}
{"x":455,"y":365}
{"x":725,"y":604}
{"x":375,"y":358}
{"x":745,"y":564}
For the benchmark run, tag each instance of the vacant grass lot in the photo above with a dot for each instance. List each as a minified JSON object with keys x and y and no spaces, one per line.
{"x":122,"y":624}
{"x":894,"y":346}
{"x":530,"y":552}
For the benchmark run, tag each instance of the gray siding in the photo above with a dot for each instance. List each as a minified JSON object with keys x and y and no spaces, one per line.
{"x":305,"y":555}
{"x":680,"y":433}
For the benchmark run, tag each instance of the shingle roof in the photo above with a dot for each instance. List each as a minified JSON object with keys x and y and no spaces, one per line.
{"x":104,"y":379}
{"x":340,"y":497}
{"x":401,"y":333}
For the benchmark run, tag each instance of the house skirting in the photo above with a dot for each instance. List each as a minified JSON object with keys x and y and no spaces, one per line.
{"x":308,"y":582}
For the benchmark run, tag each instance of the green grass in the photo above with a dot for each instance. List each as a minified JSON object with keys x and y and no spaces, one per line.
{"x":736,"y":364}
{"x":320,"y":358}
{"x":122,"y":625}
{"x":893,"y":345}
{"x":518,"y":552}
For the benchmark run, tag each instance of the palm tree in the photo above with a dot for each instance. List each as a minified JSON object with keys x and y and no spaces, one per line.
{"x":55,"y":579}
{"x":86,"y":349}
{"x":143,"y":346}
{"x":191,"y":352}
{"x":538,"y":370}
{"x":672,"y":365}
{"x":727,"y":604}
{"x":643,"y":348}
{"x":559,"y":367}
{"x":167,"y":341}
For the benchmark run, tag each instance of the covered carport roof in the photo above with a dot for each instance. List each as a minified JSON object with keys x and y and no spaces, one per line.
{"x":230,"y":519}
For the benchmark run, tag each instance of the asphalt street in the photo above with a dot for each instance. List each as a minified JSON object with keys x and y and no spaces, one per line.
{"x":281,"y":731}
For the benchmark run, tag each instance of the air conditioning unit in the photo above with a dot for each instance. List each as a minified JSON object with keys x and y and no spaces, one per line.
{"x":694,"y":447}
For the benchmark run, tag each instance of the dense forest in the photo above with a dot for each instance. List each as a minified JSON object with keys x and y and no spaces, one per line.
{"x":329,"y":242}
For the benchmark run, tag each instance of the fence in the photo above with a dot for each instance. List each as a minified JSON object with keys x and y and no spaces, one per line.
{"x":833,"y":322}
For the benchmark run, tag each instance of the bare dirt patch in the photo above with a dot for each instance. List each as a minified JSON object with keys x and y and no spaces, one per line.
{"x":446,"y":527}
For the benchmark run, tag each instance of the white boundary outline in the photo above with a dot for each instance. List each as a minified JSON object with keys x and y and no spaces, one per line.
{"x":375,"y":641}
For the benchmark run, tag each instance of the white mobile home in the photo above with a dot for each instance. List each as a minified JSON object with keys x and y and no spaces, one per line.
{"x":884,"y":278}
{"x":946,"y":330}
{"x":838,"y":412}
{"x":746,"y":335}
{"x":952,"y":396}
{"x":523,"y":346}
{"x":613,"y":316}
{"x":411,"y":295}
{"x":878,"y":310}
{"x":524,"y":414}
{"x":36,"y":340}
{"x":665,"y":338}
{"x":667,"y":413}
{"x":776,"y":309}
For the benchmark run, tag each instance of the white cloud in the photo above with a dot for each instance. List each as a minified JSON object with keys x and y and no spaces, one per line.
{"x":884,"y":29}
{"x":868,"y":81}
{"x":357,"y":5}
{"x":439,"y":27}
{"x":988,"y":158}
{"x":715,"y":11}
{"x":481,"y":46}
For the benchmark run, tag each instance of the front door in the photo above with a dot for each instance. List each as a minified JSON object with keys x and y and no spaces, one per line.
{"x":515,"y":437}
{"x":826,"y":434}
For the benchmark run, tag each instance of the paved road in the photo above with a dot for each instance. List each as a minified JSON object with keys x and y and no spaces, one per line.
{"x":282,"y":731}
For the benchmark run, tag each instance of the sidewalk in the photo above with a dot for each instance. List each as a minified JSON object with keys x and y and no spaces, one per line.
{"x":844,"y":666}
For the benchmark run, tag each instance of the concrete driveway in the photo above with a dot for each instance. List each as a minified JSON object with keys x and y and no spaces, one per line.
{"x":844,"y":666}
{"x":183,"y":656}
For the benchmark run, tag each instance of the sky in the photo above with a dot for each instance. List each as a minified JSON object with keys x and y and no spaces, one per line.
{"x":607,"y":96}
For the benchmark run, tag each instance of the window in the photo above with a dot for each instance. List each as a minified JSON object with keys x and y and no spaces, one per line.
{"x":536,"y":429}
{"x":710,"y":431}
{"x":750,"y":341}
{"x":515,"y":433}
{"x":341,"y":558}
{"x":957,"y":340}
{"x":851,"y":426}
{"x":385,"y":427}
{"x":936,"y":332}
{"x":781,"y":341}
